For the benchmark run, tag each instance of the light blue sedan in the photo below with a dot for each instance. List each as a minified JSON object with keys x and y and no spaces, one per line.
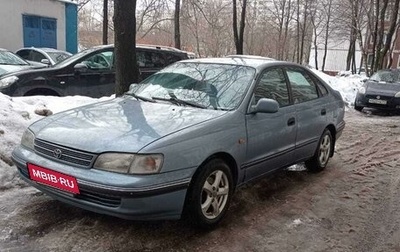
{"x":180,"y":142}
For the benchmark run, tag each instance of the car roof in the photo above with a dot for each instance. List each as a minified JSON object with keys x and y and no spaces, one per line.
{"x":143,"y":46}
{"x":43,"y":49}
{"x":242,"y":60}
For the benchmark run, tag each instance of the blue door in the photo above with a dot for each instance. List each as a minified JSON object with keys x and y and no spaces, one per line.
{"x":40,"y":31}
{"x":31,"y":31}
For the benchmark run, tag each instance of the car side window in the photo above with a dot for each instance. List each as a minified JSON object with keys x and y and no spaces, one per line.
{"x":24,"y":54}
{"x":322,"y":89}
{"x":303,"y":88}
{"x":36,"y":56}
{"x":148,"y":59}
{"x":272,"y":85}
{"x":171,"y":58}
{"x":99,"y":61}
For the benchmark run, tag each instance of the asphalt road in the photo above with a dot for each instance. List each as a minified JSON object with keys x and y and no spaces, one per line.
{"x":354,"y":205}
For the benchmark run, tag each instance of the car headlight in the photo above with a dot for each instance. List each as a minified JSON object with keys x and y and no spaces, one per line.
{"x":397,"y":95}
{"x":362,"y":90}
{"x":129,"y":163}
{"x":7,"y":81}
{"x":28,"y":139}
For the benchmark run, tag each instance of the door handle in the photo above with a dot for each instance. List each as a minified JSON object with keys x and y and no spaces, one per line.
{"x":323,"y":111}
{"x":291,"y":121}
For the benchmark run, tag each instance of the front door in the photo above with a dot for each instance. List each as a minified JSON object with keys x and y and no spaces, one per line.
{"x":97,"y":80}
{"x":270,"y":137}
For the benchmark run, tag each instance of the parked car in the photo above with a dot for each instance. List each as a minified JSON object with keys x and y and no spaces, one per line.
{"x":48,"y":56}
{"x":180,"y":142}
{"x":10,"y":62}
{"x":89,"y":73}
{"x":381,"y":91}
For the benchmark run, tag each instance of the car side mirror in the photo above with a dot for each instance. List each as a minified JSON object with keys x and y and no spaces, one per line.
{"x":80,"y":68}
{"x":265,"y":105}
{"x":45,"y":61}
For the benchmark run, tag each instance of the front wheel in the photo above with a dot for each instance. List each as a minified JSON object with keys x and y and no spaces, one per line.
{"x":210,"y":194}
{"x":321,"y":157}
{"x":358,"y":108}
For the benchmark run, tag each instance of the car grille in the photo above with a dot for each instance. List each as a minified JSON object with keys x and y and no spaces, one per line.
{"x":382,"y":97}
{"x":66,"y":155}
{"x":97,"y":198}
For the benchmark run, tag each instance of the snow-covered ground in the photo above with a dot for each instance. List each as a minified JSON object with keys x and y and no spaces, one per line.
{"x":17,"y":113}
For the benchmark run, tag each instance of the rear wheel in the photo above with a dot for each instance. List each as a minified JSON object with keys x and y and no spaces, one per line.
{"x":209,"y":194}
{"x":321,"y":157}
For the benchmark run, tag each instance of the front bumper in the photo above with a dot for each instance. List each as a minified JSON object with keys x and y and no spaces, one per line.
{"x":134,"y":198}
{"x":369,"y":100}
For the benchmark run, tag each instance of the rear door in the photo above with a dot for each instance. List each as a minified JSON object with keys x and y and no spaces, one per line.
{"x":270,"y":137}
{"x":311,"y":110}
{"x":149,"y":62}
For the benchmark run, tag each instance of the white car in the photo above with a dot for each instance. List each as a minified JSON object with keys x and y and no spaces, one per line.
{"x":48,"y":56}
{"x":10,"y":62}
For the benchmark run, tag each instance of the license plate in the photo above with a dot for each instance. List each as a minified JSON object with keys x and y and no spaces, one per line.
{"x":383,"y":102}
{"x":53,"y":178}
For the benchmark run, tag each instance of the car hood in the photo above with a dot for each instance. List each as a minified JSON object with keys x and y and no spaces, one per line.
{"x":31,"y":70}
{"x":12,"y":68}
{"x":121,"y":124}
{"x":384,"y":88}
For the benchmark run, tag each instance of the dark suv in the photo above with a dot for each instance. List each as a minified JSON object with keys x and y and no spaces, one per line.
{"x":89,"y":73}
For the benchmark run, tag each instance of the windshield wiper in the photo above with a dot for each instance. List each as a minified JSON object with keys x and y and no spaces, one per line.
{"x":180,"y":102}
{"x":138,"y":97}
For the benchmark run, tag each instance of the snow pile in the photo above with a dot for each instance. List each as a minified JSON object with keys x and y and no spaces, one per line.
{"x":16,"y":114}
{"x":347,"y":86}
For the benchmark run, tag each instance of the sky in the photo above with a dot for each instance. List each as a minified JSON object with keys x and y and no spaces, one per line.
{"x":17,"y":113}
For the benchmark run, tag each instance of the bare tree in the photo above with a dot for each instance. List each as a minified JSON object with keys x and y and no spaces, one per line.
{"x":238,"y":35}
{"x":126,"y":69}
{"x":151,"y":15}
{"x":177,"y":24}
{"x":327,"y":7}
{"x":380,"y":35}
{"x":82,"y":3}
{"x":105,"y":22}
{"x":390,"y":33}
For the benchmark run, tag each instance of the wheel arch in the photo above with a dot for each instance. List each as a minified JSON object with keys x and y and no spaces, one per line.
{"x":41,"y":91}
{"x":228,"y":159}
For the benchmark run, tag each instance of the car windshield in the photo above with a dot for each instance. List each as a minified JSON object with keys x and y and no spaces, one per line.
{"x":203,"y":85}
{"x":58,"y":56}
{"x":389,"y":76}
{"x":9,"y":58}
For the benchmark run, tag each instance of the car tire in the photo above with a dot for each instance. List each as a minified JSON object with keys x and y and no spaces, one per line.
{"x":321,"y":157}
{"x":358,"y":108}
{"x":209,"y":194}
